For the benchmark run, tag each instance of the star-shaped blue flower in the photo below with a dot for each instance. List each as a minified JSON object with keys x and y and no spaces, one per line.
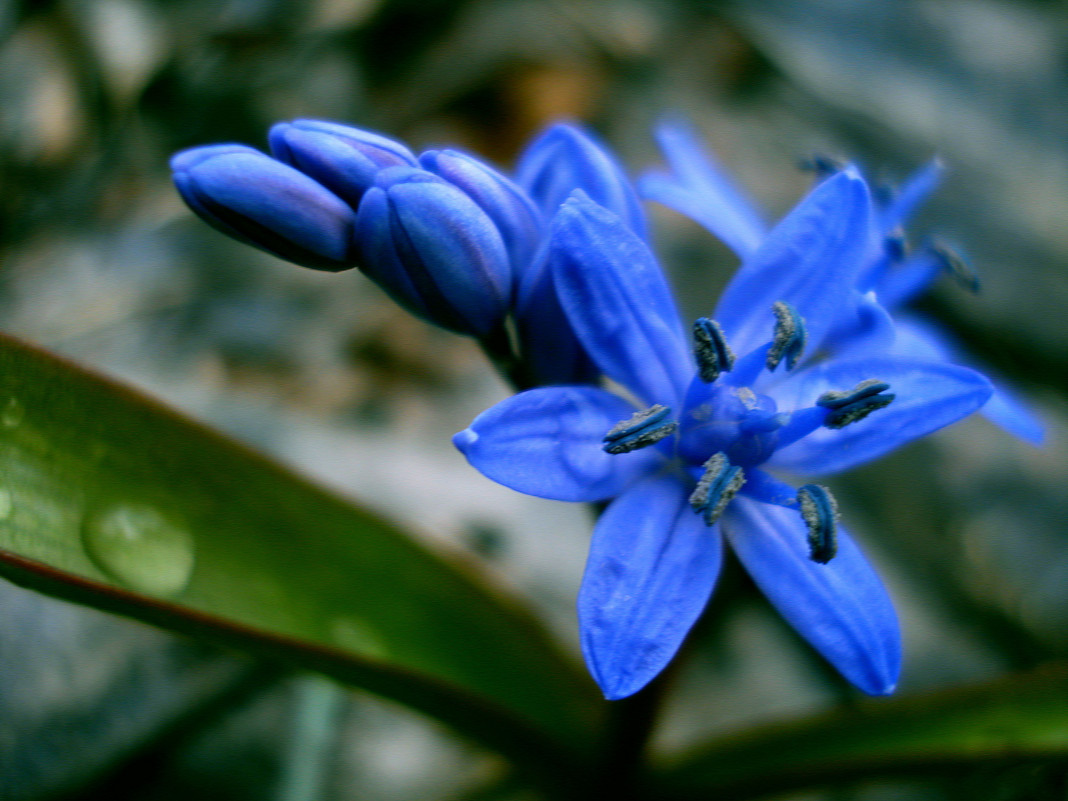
{"x":697,"y":186}
{"x":683,"y":451}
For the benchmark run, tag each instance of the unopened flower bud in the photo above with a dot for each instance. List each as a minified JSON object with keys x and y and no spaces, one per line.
{"x":511,"y":209}
{"x":253,"y":198}
{"x":343,"y":159}
{"x":434,"y":250}
{"x":565,"y":158}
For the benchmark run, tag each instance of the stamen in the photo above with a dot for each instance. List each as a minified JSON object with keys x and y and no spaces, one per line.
{"x":642,"y":429}
{"x":820,"y":513}
{"x":720,"y":482}
{"x":714,"y":355}
{"x":956,"y":265}
{"x":855,"y":404}
{"x":789,"y":340}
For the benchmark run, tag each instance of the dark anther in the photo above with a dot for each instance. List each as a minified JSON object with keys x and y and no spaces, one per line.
{"x":956,"y":265}
{"x":820,"y":513}
{"x":821,"y":164}
{"x":642,"y":429}
{"x":720,"y":482}
{"x":854,"y":404}
{"x":789,"y":339}
{"x":714,"y":355}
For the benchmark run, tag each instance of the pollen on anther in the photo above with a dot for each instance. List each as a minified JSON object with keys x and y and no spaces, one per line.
{"x":715,"y":489}
{"x":789,"y":338}
{"x":714,"y":355}
{"x":855,"y":404}
{"x":820,"y":513}
{"x":640,"y":430}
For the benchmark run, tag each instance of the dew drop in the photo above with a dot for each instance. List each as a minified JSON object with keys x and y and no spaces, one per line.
{"x":140,"y":548}
{"x":7,"y":505}
{"x":11,"y":413}
{"x":353,"y":634}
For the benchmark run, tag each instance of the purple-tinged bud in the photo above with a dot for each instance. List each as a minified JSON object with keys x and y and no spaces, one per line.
{"x":435,"y":251}
{"x":343,"y":159}
{"x":253,"y":198}
{"x":565,"y":158}
{"x":511,"y":209}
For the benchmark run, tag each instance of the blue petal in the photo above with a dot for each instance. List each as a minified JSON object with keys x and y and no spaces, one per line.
{"x":698,"y":188}
{"x":901,"y":283}
{"x":929,"y":395}
{"x":652,"y":566}
{"x":342,"y":158}
{"x":618,"y":302}
{"x":1005,"y":407}
{"x":431,"y":246}
{"x":840,"y":607}
{"x":915,"y":339}
{"x":811,"y":260}
{"x":865,"y":326}
{"x":548,"y":442}
{"x":552,"y":353}
{"x":512,"y":212}
{"x":381,"y":259}
{"x":252,"y":197}
{"x":913,"y":192}
{"x":565,"y":158}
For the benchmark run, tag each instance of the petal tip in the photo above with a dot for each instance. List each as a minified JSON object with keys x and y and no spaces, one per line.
{"x":881,"y":689}
{"x":882,"y":682}
{"x":616,"y":688}
{"x":464,"y":440}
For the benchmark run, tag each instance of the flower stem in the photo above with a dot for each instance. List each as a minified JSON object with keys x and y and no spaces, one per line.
{"x":500,"y":350}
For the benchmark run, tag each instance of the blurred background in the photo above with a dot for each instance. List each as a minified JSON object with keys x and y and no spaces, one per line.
{"x":100,"y":261}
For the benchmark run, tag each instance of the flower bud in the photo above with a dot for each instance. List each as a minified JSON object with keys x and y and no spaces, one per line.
{"x":434,"y":250}
{"x":564,"y":158}
{"x":343,"y":159}
{"x":253,"y":198}
{"x":511,"y":209}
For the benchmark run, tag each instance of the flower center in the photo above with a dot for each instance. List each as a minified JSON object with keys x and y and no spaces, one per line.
{"x":742,"y":429}
{"x":731,"y":420}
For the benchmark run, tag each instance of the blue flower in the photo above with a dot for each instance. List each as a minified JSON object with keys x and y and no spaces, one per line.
{"x":260,"y":201}
{"x":511,"y":210}
{"x":699,"y":188}
{"x":563,"y":158}
{"x":435,"y":251}
{"x":343,"y":159}
{"x":684,"y":457}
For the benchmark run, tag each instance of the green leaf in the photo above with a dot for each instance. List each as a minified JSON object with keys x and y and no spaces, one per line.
{"x":1017,"y":718}
{"x":110,"y":500}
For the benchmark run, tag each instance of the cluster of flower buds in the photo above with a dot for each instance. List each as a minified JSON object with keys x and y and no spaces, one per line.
{"x":450,"y":238}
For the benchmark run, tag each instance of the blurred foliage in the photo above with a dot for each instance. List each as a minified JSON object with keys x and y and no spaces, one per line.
{"x":100,"y":261}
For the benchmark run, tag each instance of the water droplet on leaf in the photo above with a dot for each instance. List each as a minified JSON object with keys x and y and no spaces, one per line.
{"x":140,"y":548}
{"x":11,"y":413}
